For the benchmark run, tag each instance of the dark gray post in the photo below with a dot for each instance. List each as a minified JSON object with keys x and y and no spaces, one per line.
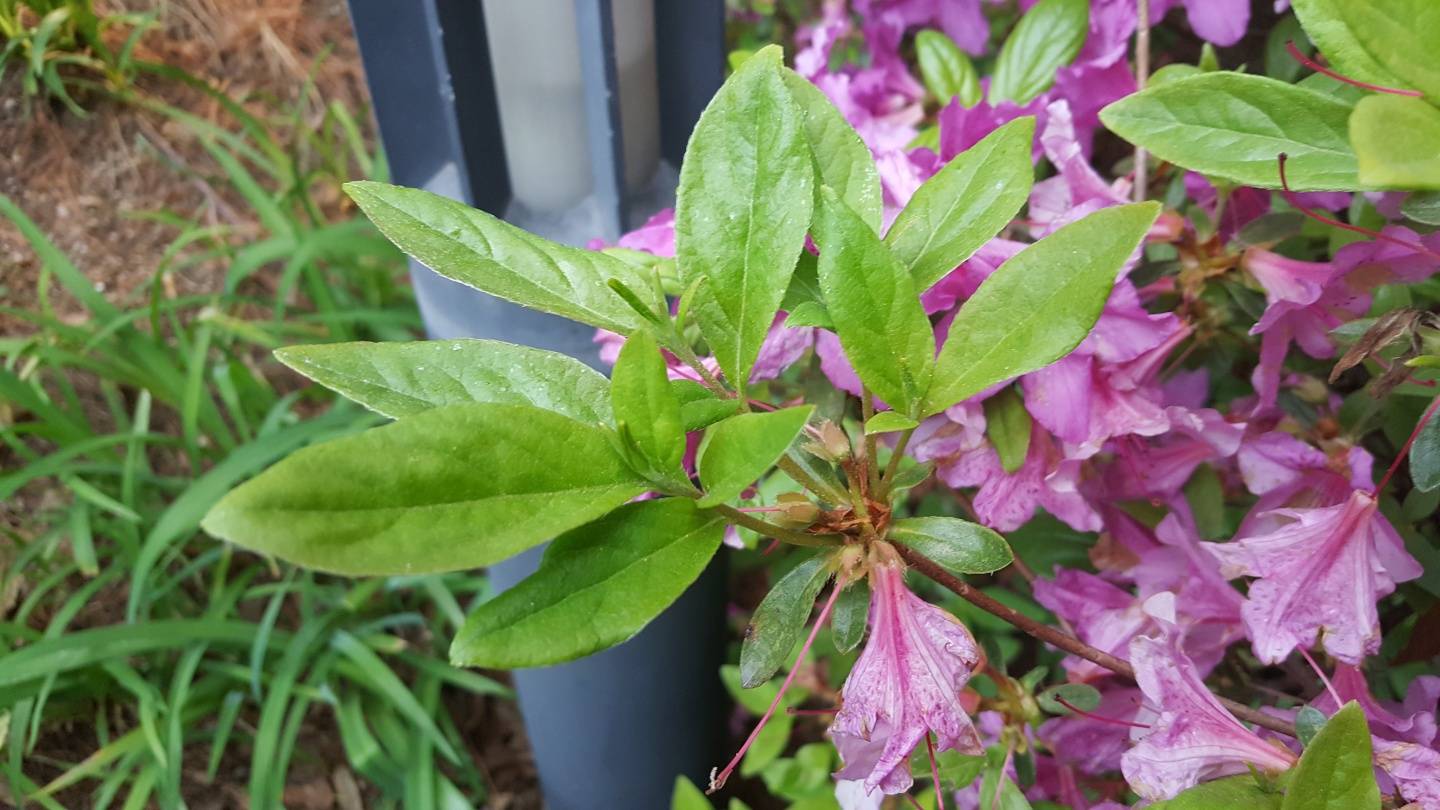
{"x":612,"y":730}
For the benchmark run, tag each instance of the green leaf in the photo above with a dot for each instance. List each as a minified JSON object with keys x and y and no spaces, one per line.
{"x":1228,"y":125}
{"x":889,"y":422}
{"x":850,"y":615}
{"x":403,"y":379}
{"x":742,"y":209}
{"x":1046,"y":39}
{"x":810,"y":313}
{"x":738,"y":450}
{"x":1007,"y":424}
{"x":645,"y":405}
{"x":780,"y":619}
{"x":1385,"y":42}
{"x":842,"y":160}
{"x":1425,"y":457}
{"x":954,"y":544}
{"x":997,"y":792}
{"x":598,"y":586}
{"x":1230,"y":793}
{"x":1037,"y":306}
{"x":493,"y":256}
{"x":1397,"y":142}
{"x":1423,"y":207}
{"x":758,"y":699}
{"x":1308,"y":722}
{"x":964,"y":204}
{"x":877,"y":312}
{"x":455,"y":487}
{"x":699,"y":407}
{"x":957,"y":770}
{"x":1080,"y":695}
{"x":946,"y":70}
{"x":1335,"y":772}
{"x":687,"y":796}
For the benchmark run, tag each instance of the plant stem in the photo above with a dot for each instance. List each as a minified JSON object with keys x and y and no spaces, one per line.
{"x":1056,"y":638}
{"x":803,"y":477}
{"x":688,"y":357}
{"x":769,"y":529}
{"x":867,"y":410}
{"x":895,"y":456}
{"x":1405,"y":450}
{"x":1142,"y":73}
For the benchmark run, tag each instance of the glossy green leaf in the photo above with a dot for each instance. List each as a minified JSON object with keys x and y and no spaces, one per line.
{"x":1228,"y":125}
{"x":850,"y":615}
{"x":780,"y":620}
{"x":737,"y":451}
{"x":1425,"y":457}
{"x":1397,"y":142}
{"x":876,"y":309}
{"x":757,"y":700}
{"x":1230,"y":793}
{"x":997,"y":791}
{"x":1037,"y":306}
{"x":1080,"y":695}
{"x":1007,"y":425}
{"x":403,"y":379}
{"x":842,"y":161}
{"x":946,"y":70}
{"x":699,"y":407}
{"x":889,"y":422}
{"x":810,"y":313}
{"x":742,"y":209}
{"x":1335,"y":772}
{"x":954,"y":544}
{"x":1423,"y":207}
{"x":645,"y":405}
{"x":474,"y":248}
{"x":598,"y":586}
{"x":964,"y":204}
{"x":455,"y":487}
{"x":1047,"y":38}
{"x":1385,"y":42}
{"x":1308,"y":722}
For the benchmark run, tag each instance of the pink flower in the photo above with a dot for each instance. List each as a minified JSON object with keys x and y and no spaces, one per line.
{"x":1077,"y":189}
{"x":905,"y":685}
{"x":1412,"y":721}
{"x":1103,"y":615}
{"x":1413,"y":769}
{"x":1221,"y":22}
{"x":1192,"y":738}
{"x":1319,"y":569}
{"x":1159,"y":468}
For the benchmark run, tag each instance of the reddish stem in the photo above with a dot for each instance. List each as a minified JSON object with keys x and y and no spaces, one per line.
{"x":1319,"y":68}
{"x":1100,"y":718}
{"x":1405,"y":449}
{"x":1295,"y":203}
{"x":718,"y":781}
{"x":935,"y":771}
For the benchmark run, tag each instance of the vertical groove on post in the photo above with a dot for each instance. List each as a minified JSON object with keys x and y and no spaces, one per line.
{"x":595,"y":22}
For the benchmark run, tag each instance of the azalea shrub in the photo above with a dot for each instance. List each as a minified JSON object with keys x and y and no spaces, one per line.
{"x":1113,"y":485}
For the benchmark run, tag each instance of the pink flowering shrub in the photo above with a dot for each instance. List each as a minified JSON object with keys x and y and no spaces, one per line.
{"x":1181,"y":375}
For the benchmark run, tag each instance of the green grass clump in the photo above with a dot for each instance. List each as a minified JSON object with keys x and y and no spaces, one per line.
{"x":161,"y":659}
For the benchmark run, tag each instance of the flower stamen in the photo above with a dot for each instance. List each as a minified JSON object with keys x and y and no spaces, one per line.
{"x":1294,"y":201}
{"x":1300,"y":57}
{"x":717,"y":781}
{"x":935,"y":771}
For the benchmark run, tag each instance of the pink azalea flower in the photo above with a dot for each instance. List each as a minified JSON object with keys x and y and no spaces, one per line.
{"x":1103,"y":615}
{"x":961,"y":20}
{"x":1221,"y":22}
{"x":1077,"y":189}
{"x":1318,"y":569}
{"x":1192,"y":738}
{"x":1159,"y":468}
{"x":905,"y":685}
{"x":1413,"y":769}
{"x":1411,"y":721}
{"x":1243,"y":206}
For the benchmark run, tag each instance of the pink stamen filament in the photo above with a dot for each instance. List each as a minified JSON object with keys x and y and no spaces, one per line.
{"x":1335,"y":223}
{"x":1096,"y":717}
{"x":1405,"y":450}
{"x":1319,"y":68}
{"x":914,"y":802}
{"x":935,"y":771}
{"x":718,"y":781}
{"x":1329,"y":687}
